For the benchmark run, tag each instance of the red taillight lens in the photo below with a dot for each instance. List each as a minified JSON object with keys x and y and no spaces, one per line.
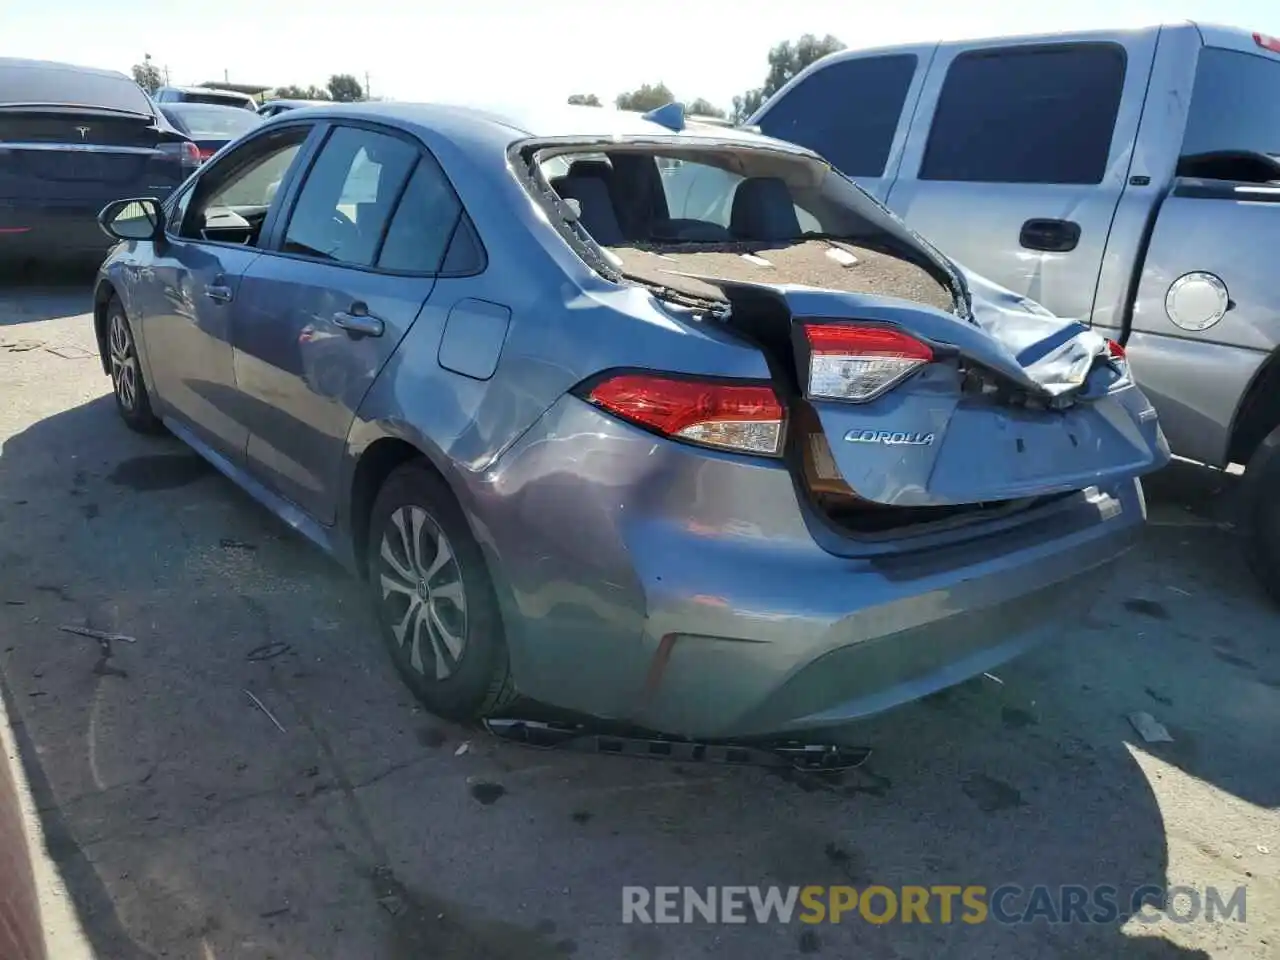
{"x":204,"y":153}
{"x":186,"y":151}
{"x":1115,"y":350}
{"x":858,"y":363}
{"x":748,"y":419}
{"x":1266,"y":42}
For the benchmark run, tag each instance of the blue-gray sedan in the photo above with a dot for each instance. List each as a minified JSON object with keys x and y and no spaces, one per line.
{"x":634,"y":416}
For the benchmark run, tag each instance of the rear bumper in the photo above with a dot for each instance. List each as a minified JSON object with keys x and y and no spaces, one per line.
{"x":647,"y":581}
{"x":62,"y":230}
{"x":44,"y":231}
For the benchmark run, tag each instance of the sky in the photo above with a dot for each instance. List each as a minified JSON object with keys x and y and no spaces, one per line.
{"x":512,"y":52}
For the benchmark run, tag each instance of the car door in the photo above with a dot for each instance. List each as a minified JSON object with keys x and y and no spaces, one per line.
{"x":352,"y":267}
{"x":1019,"y":156}
{"x":854,"y":109}
{"x":214,"y":232}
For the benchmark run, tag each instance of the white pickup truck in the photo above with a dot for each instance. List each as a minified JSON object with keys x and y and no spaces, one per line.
{"x":1128,"y":178}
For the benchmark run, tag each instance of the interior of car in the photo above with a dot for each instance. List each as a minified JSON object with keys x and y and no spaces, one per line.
{"x":627,"y":198}
{"x":230,"y":206}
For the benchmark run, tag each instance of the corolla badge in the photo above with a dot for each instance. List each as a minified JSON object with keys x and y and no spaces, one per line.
{"x":890,"y":437}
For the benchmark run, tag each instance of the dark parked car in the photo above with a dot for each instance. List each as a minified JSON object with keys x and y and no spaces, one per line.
{"x":72,"y":139}
{"x":765,"y":463}
{"x":272,"y":107}
{"x":209,"y":125}
{"x":214,"y":95}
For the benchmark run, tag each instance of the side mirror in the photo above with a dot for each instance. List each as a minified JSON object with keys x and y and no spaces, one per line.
{"x":139,"y":219}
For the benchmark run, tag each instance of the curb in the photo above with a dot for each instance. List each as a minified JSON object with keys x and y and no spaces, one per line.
{"x":37,"y":917}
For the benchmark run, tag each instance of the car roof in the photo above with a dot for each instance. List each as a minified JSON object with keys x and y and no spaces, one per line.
{"x":181,"y":105}
{"x":58,"y":65}
{"x":209,"y":90}
{"x":555,"y":121}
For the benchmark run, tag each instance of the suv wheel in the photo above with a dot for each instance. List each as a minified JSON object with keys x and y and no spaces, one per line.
{"x":1262,"y":514}
{"x":434,"y":599}
{"x":127,"y":383}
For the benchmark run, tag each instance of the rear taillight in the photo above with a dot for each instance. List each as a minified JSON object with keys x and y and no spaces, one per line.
{"x":1267,"y":42}
{"x":859,"y":363}
{"x":204,"y":153}
{"x":727,"y":416}
{"x":1115,"y":350}
{"x":185,"y":151}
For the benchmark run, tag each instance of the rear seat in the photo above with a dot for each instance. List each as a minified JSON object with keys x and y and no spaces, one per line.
{"x":597,"y":214}
{"x":763,"y":210}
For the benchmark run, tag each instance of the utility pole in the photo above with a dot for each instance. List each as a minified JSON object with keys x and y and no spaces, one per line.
{"x":368,"y":95}
{"x":226,"y":76}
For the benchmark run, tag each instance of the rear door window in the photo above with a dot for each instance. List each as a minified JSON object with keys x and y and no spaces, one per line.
{"x":1034,"y":114}
{"x":1235,"y":104}
{"x":848,"y":112}
{"x":423,"y":223}
{"x":346,"y":202}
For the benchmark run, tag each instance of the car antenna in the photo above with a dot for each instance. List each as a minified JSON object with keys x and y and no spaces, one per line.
{"x":669,"y":115}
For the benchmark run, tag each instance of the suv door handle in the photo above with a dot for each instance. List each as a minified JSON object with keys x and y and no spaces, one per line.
{"x":1052,"y":236}
{"x":359,"y":322}
{"x":217,"y":292}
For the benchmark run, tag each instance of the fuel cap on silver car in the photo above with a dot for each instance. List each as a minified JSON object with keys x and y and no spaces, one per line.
{"x":1196,"y":301}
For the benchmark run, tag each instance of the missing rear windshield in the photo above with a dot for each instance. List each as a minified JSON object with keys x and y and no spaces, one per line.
{"x":655,"y":215}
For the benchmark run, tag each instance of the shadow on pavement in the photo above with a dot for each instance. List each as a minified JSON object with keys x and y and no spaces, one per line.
{"x":186,"y":823}
{"x":33,"y":298}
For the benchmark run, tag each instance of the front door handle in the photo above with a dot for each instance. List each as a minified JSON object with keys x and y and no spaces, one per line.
{"x":218,"y":293}
{"x":1051,"y":236}
{"x":359,"y":322}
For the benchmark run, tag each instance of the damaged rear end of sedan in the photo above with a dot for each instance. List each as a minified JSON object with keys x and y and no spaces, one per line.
{"x":931,"y":474}
{"x":907,"y":398}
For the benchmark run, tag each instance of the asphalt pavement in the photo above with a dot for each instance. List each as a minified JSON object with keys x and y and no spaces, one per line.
{"x":334,"y":818}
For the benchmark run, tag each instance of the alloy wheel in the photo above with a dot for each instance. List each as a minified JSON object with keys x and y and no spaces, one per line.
{"x":124,"y":362}
{"x":422,"y":592}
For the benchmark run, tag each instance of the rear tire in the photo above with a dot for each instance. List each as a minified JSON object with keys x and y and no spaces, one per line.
{"x":1262,"y":514}
{"x":133,"y":401}
{"x":434,"y":599}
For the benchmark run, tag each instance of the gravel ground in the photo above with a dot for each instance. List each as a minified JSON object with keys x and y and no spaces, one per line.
{"x":186,"y":824}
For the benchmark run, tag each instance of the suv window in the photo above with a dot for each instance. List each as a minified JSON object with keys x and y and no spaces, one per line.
{"x":1027,"y":115}
{"x":697,"y":191}
{"x":848,"y":112}
{"x":347,"y":199}
{"x":423,"y":222}
{"x":231,"y":199}
{"x":1235,"y":104}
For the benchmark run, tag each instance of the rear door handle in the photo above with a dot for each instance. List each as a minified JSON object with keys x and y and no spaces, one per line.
{"x":218,"y":293}
{"x":1051,"y":236}
{"x":359,"y":322}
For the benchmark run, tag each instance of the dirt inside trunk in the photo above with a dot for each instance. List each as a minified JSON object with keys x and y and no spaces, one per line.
{"x":816,"y":263}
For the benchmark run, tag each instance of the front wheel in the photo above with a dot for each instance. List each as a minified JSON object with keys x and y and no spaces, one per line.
{"x":435,"y":601}
{"x":133,"y":402}
{"x":1262,"y":514}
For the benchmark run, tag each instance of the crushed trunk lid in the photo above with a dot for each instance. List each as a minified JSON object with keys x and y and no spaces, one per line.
{"x":1015,"y":404}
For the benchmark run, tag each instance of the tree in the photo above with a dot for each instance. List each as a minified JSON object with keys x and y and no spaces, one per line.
{"x":647,"y":97}
{"x":345,"y":88}
{"x":747,"y":104}
{"x":785,"y":61}
{"x":584,"y":100}
{"x":294,"y":92}
{"x":147,"y":75}
{"x":704,"y":108}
